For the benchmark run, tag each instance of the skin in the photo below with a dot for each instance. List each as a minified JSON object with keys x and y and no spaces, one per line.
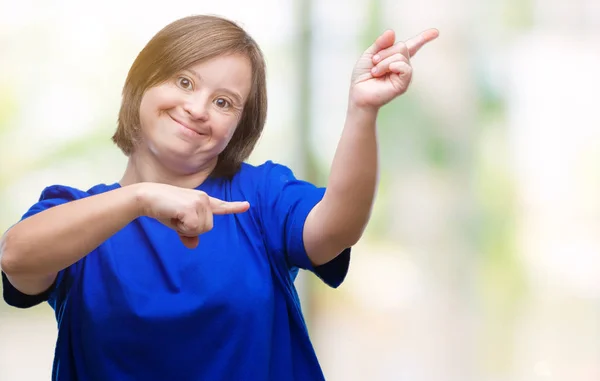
{"x":188,"y":121}
{"x":185,"y":123}
{"x":382,"y":73}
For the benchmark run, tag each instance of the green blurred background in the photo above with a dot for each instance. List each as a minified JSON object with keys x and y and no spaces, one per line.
{"x":481,"y":261}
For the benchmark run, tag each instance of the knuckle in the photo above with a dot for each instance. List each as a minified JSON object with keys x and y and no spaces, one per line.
{"x":189,"y":212}
{"x":207,"y":221}
{"x":197,"y":204}
{"x":208,"y":224}
{"x":180,"y":215}
{"x":192,"y":225}
{"x":386,"y":53}
{"x":403,"y":48}
{"x":201,"y":200}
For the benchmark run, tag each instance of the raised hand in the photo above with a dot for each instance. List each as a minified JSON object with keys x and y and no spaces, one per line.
{"x":384,"y":70}
{"x":187,"y":211}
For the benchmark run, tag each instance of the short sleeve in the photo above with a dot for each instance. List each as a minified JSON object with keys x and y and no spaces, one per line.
{"x":50,"y":197}
{"x":285,"y":205}
{"x":16,"y":298}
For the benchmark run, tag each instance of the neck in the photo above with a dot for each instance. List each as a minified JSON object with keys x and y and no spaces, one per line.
{"x":146,"y":168}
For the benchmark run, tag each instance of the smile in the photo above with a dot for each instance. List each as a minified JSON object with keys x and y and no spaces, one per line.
{"x":189,"y":129}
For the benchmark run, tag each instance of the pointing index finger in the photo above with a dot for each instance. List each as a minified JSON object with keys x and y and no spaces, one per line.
{"x":227,"y":207}
{"x":417,"y":42}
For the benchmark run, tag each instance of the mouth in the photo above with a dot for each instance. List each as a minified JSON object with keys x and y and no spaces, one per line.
{"x":186,"y":126}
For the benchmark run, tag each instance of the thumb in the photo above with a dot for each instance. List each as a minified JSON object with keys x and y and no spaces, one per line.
{"x":190,"y":242}
{"x":228,"y":207}
{"x":385,"y":40}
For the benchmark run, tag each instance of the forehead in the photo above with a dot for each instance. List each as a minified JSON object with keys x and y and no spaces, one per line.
{"x":231,"y":72}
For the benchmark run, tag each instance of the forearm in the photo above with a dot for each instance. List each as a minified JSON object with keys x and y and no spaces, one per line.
{"x":348,"y":200}
{"x":58,"y":237}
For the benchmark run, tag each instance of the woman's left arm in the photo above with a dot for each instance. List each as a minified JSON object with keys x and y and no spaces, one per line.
{"x":381,"y":74}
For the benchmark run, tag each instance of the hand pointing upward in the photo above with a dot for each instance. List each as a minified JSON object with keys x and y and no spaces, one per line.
{"x":384,"y":70}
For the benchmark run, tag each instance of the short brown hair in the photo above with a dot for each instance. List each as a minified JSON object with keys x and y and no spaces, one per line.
{"x":178,"y":46}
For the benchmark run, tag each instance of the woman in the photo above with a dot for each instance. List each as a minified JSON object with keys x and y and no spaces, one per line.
{"x":184,"y":269}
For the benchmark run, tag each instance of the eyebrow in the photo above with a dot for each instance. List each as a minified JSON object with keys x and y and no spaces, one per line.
{"x":237,"y":97}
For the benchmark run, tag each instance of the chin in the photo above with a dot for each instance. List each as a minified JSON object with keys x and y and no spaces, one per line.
{"x":185,"y":161}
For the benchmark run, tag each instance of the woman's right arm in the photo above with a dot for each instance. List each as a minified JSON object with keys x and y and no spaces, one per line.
{"x":34,"y":250}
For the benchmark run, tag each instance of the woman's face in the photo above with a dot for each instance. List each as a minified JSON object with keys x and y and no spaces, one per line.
{"x":187,"y":121}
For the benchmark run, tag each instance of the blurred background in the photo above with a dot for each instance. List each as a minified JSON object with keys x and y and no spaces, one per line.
{"x":482,"y":259}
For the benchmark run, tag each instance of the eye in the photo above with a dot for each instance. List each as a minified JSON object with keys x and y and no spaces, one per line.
{"x":222,"y":103}
{"x":185,"y":83}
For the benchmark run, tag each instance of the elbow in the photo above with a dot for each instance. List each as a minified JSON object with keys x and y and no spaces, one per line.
{"x":347,"y":238}
{"x":350,"y":234}
{"x":8,"y":261}
{"x":343,"y":225}
{"x":351,"y":239}
{"x":342,"y":235}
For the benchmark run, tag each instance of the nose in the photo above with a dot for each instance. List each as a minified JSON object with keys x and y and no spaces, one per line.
{"x":196,"y":108}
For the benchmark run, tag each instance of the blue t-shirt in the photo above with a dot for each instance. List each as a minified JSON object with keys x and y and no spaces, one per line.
{"x":144,"y":307}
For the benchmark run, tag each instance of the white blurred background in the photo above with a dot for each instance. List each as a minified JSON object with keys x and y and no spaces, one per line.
{"x":482,"y":259}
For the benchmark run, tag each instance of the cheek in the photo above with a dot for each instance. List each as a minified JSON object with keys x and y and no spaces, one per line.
{"x":225,"y":136}
{"x":146,"y":111}
{"x":231,"y":131}
{"x":157,"y":100}
{"x":225,"y":127}
{"x":147,"y":122}
{"x":152,"y":107}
